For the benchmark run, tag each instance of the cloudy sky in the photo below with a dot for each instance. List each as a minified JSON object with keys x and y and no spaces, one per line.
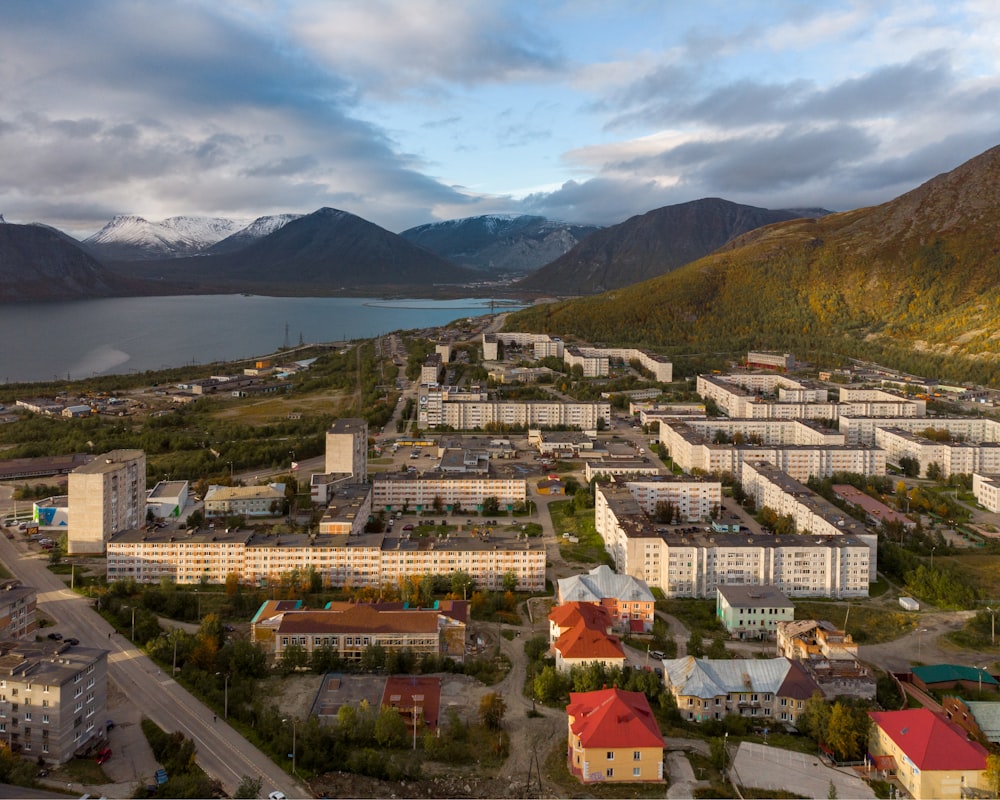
{"x":412,"y":111}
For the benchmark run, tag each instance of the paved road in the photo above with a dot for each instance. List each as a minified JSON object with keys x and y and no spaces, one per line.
{"x":221,"y":751}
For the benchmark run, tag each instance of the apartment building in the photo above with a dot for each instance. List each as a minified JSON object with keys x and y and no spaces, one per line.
{"x":245,"y":501}
{"x":357,"y":560}
{"x":347,"y":629}
{"x":860,"y":430}
{"x":627,"y":600}
{"x":952,"y":457}
{"x":18,"y":605}
{"x":347,"y":448}
{"x":760,"y":358}
{"x":685,"y":562}
{"x":711,"y":689}
{"x":584,"y":637}
{"x":613,"y":737}
{"x":542,"y":345}
{"x":106,"y":496}
{"x":347,"y":511}
{"x":693,"y":499}
{"x":593,"y":364}
{"x":752,"y":612}
{"x":395,"y":491}
{"x":612,"y":467}
{"x":691,"y":450}
{"x":986,"y":488}
{"x":430,"y":370}
{"x":53,"y":698}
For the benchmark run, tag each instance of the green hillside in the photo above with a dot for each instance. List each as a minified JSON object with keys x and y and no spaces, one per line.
{"x":914,"y":282}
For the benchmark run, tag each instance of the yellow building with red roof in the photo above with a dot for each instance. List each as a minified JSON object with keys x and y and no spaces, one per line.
{"x":613,"y":737}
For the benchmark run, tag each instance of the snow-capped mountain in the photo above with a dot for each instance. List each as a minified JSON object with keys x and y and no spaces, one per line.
{"x":131,"y":238}
{"x":258,"y":229}
{"x":499,"y":243}
{"x":2,"y":220}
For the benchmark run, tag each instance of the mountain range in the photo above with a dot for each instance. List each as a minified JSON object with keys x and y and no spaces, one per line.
{"x":130,"y":238}
{"x":651,"y":244}
{"x":914,"y":282}
{"x":499,"y":243}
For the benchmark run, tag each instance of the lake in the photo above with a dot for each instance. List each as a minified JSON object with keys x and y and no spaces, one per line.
{"x":83,"y":338}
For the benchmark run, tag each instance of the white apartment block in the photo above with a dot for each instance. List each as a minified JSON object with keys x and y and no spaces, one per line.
{"x":854,"y":399}
{"x":393,"y":491}
{"x":53,"y":698}
{"x":447,"y":409}
{"x":593,"y":365}
{"x":691,"y":450}
{"x":542,"y":344}
{"x":954,"y":458}
{"x":694,"y":499}
{"x":695,"y":564}
{"x":106,"y":496}
{"x":861,"y":430}
{"x":986,"y":488}
{"x":766,"y":431}
{"x":430,"y":370}
{"x":760,"y":358}
{"x":347,"y":448}
{"x":372,"y":559}
{"x":619,"y":467}
{"x":443,"y":349}
{"x":348,"y":510}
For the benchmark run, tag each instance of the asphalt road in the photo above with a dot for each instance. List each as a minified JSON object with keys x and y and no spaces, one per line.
{"x":221,"y":751}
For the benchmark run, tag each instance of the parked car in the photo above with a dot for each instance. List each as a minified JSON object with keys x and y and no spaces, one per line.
{"x":55,"y":637}
{"x":72,"y":640}
{"x":276,"y":796}
{"x":103,"y":755}
{"x":407,"y":527}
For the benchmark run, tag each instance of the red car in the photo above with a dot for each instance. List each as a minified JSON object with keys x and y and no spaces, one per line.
{"x":103,"y":755}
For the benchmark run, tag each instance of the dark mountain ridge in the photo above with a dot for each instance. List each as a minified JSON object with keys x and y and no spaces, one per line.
{"x":651,"y":244}
{"x":914,"y":282}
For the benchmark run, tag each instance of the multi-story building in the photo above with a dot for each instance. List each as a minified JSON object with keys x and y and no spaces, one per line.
{"x":711,"y":689}
{"x":347,"y":448}
{"x":684,"y":562}
{"x":613,"y":737}
{"x":168,"y":499}
{"x":829,"y":655}
{"x":471,"y":410}
{"x":759,"y":358}
{"x":347,"y":629}
{"x":752,"y":612}
{"x":393,"y":491}
{"x":17,"y":610}
{"x":627,"y":600}
{"x":106,"y":496}
{"x":611,"y":467}
{"x":986,"y":488}
{"x":363,"y":560}
{"x":53,"y":698}
{"x":931,"y":756}
{"x":859,"y":430}
{"x":584,"y":637}
{"x":430,"y":370}
{"x":348,"y":510}
{"x":693,"y":499}
{"x":952,"y":457}
{"x":246,"y":501}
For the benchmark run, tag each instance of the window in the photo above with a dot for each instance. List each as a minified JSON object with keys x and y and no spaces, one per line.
{"x":610,"y":772}
{"x":611,"y":755}
{"x":636,"y":772}
{"x":636,"y":755}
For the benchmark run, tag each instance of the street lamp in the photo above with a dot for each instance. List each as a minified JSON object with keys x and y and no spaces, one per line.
{"x":993,"y":626}
{"x":133,"y":620}
{"x":932,"y":555}
{"x":231,"y":470}
{"x":980,"y":671}
{"x":920,"y":640}
{"x":293,"y":742}
{"x":225,"y":712}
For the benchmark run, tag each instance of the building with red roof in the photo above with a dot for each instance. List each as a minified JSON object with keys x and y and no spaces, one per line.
{"x":613,"y":736}
{"x":931,"y":756}
{"x":580,"y":634}
{"x":417,"y":698}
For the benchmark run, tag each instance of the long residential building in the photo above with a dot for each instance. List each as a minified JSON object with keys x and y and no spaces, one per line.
{"x":860,"y":430}
{"x":690,"y":449}
{"x":393,"y":491}
{"x":248,"y":501}
{"x":106,"y":495}
{"x":688,"y":562}
{"x":986,"y":488}
{"x":442,"y":406}
{"x":53,"y":698}
{"x":347,"y":629}
{"x":371,"y":559}
{"x":952,"y":457}
{"x":693,"y":499}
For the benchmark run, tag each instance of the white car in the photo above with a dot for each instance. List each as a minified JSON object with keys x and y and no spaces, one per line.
{"x":276,"y":795}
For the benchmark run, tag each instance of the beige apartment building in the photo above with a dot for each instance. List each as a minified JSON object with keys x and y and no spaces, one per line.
{"x":372,"y":559}
{"x":686,"y":563}
{"x":106,"y":496}
{"x":986,"y":488}
{"x":859,"y":430}
{"x":347,"y":448}
{"x":953,"y":457}
{"x":394,"y":491}
{"x":18,"y":604}
{"x":53,"y":698}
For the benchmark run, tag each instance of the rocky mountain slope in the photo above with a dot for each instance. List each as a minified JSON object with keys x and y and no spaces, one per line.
{"x":914,"y":282}
{"x":38,"y":263}
{"x":499,"y":243}
{"x":131,"y":238}
{"x":649,"y":245}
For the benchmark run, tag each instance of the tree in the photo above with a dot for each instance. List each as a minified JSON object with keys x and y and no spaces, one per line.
{"x":492,"y":709}
{"x":934,"y":471}
{"x":993,"y":773}
{"x":249,"y":788}
{"x":390,"y":728}
{"x":491,"y":505}
{"x":509,"y":581}
{"x":695,"y":646}
{"x":845,"y":732}
{"x":461,"y":583}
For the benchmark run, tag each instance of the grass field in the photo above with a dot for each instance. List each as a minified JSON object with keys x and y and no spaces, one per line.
{"x":590,"y":548}
{"x":867,"y":624}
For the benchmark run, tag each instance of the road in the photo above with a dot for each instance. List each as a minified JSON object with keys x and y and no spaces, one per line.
{"x":222,"y":752}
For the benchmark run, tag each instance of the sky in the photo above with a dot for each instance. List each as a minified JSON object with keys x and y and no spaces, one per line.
{"x":406,"y":112}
